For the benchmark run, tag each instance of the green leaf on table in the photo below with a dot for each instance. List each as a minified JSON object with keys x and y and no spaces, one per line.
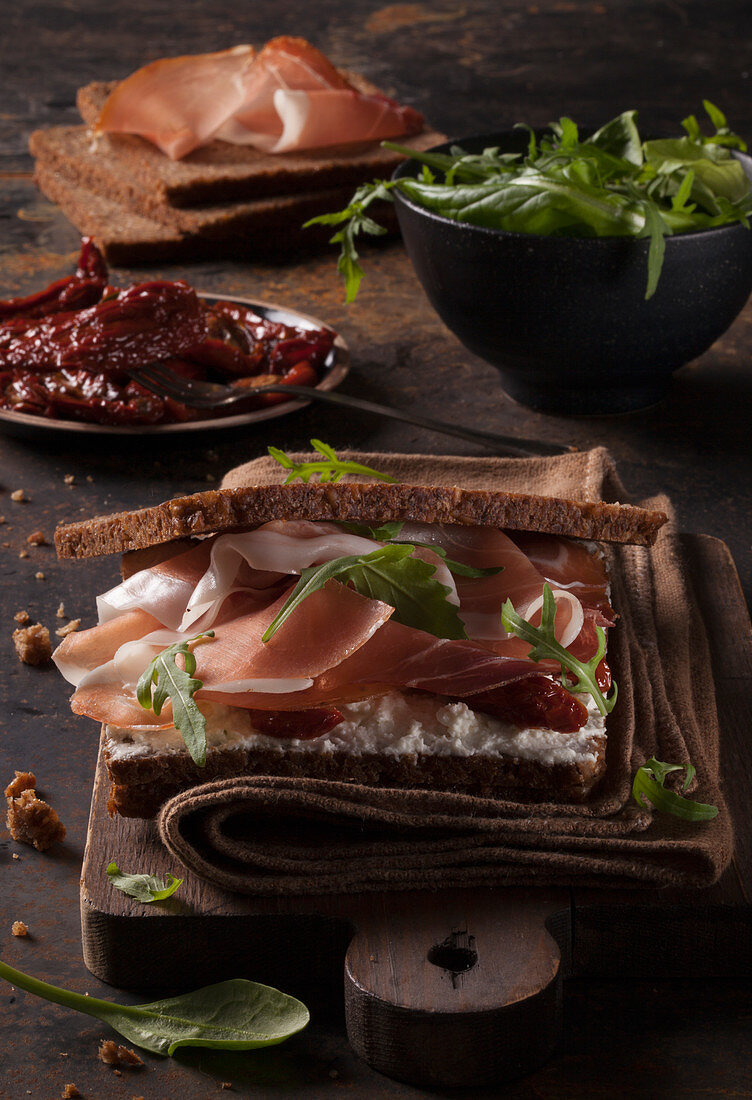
{"x":390,"y":574}
{"x":649,"y":783}
{"x":232,"y":1015}
{"x":144,"y":888}
{"x":164,"y":679}
{"x":544,"y":646}
{"x":329,"y":468}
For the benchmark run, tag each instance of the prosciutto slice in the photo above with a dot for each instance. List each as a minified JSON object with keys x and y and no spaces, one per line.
{"x":288,"y":98}
{"x":178,"y":103}
{"x":481,"y":598}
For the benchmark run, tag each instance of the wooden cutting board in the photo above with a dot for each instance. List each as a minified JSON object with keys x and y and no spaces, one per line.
{"x":455,"y":987}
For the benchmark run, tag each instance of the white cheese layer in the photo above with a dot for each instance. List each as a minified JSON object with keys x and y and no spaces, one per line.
{"x":396,"y":724}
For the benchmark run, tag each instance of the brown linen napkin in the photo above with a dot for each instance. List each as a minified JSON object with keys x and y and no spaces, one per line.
{"x":271,"y":835}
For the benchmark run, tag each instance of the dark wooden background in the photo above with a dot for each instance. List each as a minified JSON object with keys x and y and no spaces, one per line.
{"x":469,"y":66}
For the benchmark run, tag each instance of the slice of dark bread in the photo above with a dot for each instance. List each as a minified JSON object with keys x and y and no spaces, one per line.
{"x":268,"y":228}
{"x":370,"y":502}
{"x":221,"y":172}
{"x":139,"y":785}
{"x":71,"y":153}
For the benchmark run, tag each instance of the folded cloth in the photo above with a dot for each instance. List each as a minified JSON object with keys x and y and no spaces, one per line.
{"x":271,"y":835}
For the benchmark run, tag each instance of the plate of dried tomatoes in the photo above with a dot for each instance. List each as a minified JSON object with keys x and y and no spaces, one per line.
{"x":65,"y":354}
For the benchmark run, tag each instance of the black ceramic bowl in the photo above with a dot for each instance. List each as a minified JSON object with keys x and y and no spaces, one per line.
{"x":564,"y":319}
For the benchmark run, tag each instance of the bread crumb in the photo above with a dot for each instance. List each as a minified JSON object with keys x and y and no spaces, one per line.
{"x":61,"y":611}
{"x":31,"y":820}
{"x":39,"y":576}
{"x":6,"y":545}
{"x":69,"y":628}
{"x":70,"y":479}
{"x":23,"y":781}
{"x":227,"y":1085}
{"x":89,"y":477}
{"x":16,"y":855}
{"x":2,"y":520}
{"x":22,"y":618}
{"x":113,"y":1055}
{"x":36,"y":538}
{"x":23,"y":554}
{"x":33,"y":644}
{"x":18,"y":928}
{"x":70,"y":1092}
{"x":18,"y":495}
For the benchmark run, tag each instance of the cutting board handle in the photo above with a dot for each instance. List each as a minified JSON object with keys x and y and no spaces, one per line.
{"x":461,"y":988}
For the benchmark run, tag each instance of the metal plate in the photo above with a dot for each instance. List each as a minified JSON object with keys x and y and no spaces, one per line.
{"x":336,"y":366}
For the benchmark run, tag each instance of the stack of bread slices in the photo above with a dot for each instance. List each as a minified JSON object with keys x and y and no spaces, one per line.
{"x":221,"y":200}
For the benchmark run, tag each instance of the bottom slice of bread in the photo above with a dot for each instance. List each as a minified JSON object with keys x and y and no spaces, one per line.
{"x":399,"y":740}
{"x":263,"y":229}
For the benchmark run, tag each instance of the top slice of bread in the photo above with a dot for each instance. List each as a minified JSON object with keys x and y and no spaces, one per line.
{"x":369,"y":502}
{"x":221,"y":172}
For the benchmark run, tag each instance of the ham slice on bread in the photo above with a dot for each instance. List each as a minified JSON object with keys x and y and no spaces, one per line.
{"x":320,"y":696}
{"x":287,"y":98}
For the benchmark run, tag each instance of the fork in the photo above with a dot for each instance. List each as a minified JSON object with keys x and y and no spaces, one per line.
{"x":211,"y":395}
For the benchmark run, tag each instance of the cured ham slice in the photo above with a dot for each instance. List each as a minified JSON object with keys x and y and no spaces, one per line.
{"x":296,"y":100}
{"x":288,"y":98}
{"x":178,"y":103}
{"x":400,"y":656}
{"x":481,"y":598}
{"x":570,"y":565}
{"x":327,"y":628}
{"x":86,"y":650}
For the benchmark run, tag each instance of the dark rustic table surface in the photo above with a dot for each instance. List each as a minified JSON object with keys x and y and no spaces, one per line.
{"x":470,"y":66}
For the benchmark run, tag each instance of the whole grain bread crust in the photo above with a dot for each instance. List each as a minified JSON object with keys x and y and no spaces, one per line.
{"x":139,"y":785}
{"x":243,"y":508}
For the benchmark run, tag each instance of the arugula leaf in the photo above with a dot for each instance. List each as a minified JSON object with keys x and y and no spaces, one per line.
{"x":649,"y":783}
{"x":329,"y":469}
{"x":232,"y":1015}
{"x":544,"y":645}
{"x":144,"y":888}
{"x":390,"y":574}
{"x":356,"y":221}
{"x":164,"y":679}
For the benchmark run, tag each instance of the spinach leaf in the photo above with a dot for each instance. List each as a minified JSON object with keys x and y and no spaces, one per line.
{"x":390,"y":574}
{"x":144,"y":888}
{"x":232,"y":1015}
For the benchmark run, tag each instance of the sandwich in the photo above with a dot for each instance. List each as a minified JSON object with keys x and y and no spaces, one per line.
{"x":199,"y":156}
{"x":352,"y":628}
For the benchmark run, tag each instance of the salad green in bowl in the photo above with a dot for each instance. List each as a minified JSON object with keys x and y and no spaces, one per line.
{"x":586,"y":269}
